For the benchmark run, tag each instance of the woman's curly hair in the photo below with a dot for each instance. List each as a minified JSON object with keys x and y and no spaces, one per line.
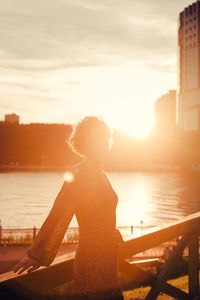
{"x":90,"y":127}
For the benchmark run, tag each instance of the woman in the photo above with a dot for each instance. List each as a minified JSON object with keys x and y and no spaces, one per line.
{"x":89,"y":195}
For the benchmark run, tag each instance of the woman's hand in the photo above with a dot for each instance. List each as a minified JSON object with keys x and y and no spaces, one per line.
{"x":28,"y":264}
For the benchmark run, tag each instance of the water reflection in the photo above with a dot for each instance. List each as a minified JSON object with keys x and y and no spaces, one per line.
{"x":155,"y":198}
{"x":189,"y":193}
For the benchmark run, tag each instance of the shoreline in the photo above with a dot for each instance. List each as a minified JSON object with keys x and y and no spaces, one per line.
{"x":139,"y":168}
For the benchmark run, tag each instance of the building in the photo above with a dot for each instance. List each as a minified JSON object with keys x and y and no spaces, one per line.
{"x":165,"y":112}
{"x":188,"y":99}
{"x":12,"y":119}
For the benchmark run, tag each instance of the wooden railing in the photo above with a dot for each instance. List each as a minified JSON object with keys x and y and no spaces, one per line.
{"x":186,"y":232}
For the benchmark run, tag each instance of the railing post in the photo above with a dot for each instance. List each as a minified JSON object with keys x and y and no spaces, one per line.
{"x":131,"y":229}
{"x":141,"y":225}
{"x":193,"y":264}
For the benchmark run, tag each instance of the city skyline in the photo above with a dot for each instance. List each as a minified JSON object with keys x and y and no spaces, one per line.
{"x":63,"y":60}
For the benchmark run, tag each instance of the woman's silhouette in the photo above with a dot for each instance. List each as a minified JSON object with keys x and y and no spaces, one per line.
{"x":89,"y":195}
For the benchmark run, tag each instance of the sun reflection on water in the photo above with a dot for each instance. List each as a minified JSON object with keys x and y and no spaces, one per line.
{"x":138,"y":207}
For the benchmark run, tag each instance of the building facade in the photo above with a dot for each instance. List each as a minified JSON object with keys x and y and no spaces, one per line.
{"x":165,"y":112}
{"x":188,"y":96}
{"x":12,"y":119}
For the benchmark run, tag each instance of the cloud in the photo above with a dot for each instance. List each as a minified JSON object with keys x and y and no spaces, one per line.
{"x":60,"y":51}
{"x":76,"y":31}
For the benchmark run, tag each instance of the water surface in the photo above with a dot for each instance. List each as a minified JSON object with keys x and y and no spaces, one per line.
{"x":155,"y":198}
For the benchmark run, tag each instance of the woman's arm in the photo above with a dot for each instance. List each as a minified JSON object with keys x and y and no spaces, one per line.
{"x":48,"y":240}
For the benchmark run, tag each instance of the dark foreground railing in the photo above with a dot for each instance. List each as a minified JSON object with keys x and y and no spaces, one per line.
{"x":186,"y":232}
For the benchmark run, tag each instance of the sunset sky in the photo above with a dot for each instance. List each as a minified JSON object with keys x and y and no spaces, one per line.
{"x":63,"y":59}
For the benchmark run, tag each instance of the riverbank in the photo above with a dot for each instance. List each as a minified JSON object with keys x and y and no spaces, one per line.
{"x":27,"y":168}
{"x":62,"y":169}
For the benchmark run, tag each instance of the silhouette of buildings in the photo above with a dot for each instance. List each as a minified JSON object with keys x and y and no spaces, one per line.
{"x":165,"y":112}
{"x":189,"y":68}
{"x":12,"y":118}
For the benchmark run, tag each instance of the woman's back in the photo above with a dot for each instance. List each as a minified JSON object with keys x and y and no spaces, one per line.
{"x":96,"y":203}
{"x":97,"y":248}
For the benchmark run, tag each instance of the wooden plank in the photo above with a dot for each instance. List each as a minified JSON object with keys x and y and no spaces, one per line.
{"x":137,"y":275}
{"x":59,"y":259}
{"x":167,"y":269}
{"x":153,"y":239}
{"x":145,"y":262}
{"x":175,"y":292}
{"x":41,"y":280}
{"x":193,"y":264}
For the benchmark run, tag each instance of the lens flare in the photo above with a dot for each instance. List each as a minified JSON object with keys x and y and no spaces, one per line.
{"x":69,"y":176}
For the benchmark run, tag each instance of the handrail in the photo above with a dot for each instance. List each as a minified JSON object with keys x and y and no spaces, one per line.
{"x":159,"y":236}
{"x":188,"y":228}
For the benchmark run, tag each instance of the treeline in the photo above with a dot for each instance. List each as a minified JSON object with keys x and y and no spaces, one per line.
{"x":45,"y":145}
{"x":35,"y":144}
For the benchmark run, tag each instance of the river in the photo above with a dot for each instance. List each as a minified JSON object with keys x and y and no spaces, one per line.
{"x":154,"y":198}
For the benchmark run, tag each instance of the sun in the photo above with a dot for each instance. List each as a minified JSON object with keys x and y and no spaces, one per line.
{"x":139,"y":126}
{"x":139,"y":132}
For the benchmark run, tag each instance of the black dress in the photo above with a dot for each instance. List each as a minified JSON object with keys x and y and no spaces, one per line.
{"x":92,"y":199}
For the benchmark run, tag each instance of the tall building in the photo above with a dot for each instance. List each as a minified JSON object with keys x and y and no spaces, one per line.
{"x":12,"y":118}
{"x":165,"y":112}
{"x":188,"y":100}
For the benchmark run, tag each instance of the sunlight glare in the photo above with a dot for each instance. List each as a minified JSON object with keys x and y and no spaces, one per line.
{"x":68,"y":177}
{"x":138,"y":133}
{"x":139,"y":205}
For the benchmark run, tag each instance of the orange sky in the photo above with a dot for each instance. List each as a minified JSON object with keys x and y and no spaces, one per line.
{"x":61,"y":60}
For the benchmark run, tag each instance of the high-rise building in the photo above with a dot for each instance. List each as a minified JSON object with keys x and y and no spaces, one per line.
{"x":12,"y":118}
{"x":188,"y":100}
{"x":165,"y":112}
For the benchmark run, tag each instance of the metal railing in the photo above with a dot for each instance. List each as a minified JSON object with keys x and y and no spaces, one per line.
{"x":25,"y":236}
